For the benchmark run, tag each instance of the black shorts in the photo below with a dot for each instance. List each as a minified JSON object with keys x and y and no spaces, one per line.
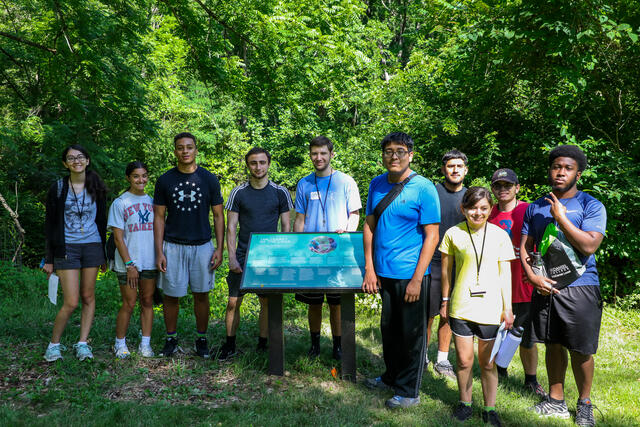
{"x":234,"y":280}
{"x":144,"y":275}
{"x":467,"y":328}
{"x":571,"y":318}
{"x":435,"y":291}
{"x":80,"y":255}
{"x":522,"y":313}
{"x":311,"y":299}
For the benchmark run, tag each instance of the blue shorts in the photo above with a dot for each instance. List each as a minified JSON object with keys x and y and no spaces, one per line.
{"x":188,"y":266}
{"x":80,"y":255}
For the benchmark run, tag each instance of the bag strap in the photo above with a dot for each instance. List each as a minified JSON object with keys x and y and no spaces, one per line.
{"x":390,"y":197}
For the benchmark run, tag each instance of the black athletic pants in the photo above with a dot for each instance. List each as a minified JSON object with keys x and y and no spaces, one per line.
{"x":404,"y":332}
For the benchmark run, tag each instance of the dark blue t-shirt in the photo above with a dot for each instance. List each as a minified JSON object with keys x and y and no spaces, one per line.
{"x":584,"y":211}
{"x":399,"y":234}
{"x":187,"y":197}
{"x":258,"y":211}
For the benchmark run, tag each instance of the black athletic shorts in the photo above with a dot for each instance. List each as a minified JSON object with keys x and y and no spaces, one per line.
{"x":332,"y":299}
{"x":467,"y":328}
{"x":234,"y":280}
{"x":435,"y":291}
{"x":522,"y":312}
{"x":571,"y":318}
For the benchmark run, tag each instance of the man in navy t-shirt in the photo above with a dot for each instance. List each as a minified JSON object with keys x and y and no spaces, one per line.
{"x":568,"y":318}
{"x":254,"y":206}
{"x":185,"y":254}
{"x":398,"y":248}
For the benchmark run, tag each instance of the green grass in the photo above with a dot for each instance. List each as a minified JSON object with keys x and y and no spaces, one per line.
{"x":186,"y":390}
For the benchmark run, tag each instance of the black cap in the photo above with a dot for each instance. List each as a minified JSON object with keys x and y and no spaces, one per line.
{"x":504,"y":174}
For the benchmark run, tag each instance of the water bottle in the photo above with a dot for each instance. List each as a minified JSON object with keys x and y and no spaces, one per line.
{"x":537,"y":264}
{"x":509,"y":346}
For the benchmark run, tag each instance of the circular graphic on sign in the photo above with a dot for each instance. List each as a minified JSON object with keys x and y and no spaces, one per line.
{"x":322,"y":245}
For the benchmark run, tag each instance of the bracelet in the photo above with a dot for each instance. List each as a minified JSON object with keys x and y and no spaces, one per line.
{"x":128,"y":263}
{"x":445,"y":299}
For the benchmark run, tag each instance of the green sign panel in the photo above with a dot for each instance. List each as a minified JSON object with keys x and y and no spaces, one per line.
{"x":291,"y":262}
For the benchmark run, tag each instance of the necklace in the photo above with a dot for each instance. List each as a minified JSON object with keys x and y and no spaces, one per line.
{"x":326,"y":195}
{"x":80,"y":209}
{"x":475,"y":251}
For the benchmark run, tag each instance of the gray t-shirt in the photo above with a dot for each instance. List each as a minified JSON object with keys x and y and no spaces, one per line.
{"x":450,"y":213}
{"x":80,"y":218}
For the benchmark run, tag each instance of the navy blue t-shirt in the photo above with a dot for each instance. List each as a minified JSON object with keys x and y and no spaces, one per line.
{"x":258,"y":211}
{"x":584,"y":211}
{"x":187,"y":197}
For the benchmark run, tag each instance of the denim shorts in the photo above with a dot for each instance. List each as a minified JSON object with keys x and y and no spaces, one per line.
{"x":188,"y":266}
{"x":80,"y":255}
{"x":144,"y":274}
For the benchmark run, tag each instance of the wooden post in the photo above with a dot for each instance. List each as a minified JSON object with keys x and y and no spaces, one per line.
{"x":276,"y":335}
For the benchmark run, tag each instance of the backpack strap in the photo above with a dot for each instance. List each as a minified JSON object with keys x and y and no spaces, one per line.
{"x":390,"y":197}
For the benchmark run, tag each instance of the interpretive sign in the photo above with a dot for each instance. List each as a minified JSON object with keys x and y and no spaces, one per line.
{"x":293,"y":262}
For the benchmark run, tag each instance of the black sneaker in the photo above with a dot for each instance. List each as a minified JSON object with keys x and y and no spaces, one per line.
{"x":492,"y":418}
{"x":337,"y":352}
{"x":535,"y":388}
{"x":584,"y":414}
{"x":314,"y":351}
{"x":170,"y":347}
{"x":224,"y":352}
{"x":462,"y":412}
{"x":202,"y":347}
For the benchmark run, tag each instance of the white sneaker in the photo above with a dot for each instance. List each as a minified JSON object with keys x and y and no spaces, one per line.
{"x":122,"y":352}
{"x":146,"y":351}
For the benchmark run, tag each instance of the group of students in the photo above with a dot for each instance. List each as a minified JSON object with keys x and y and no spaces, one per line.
{"x":429,"y":250}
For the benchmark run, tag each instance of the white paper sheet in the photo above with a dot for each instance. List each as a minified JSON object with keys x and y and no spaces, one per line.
{"x":53,"y":288}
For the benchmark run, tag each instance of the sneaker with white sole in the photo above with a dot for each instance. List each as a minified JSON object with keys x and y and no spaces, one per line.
{"x":121,"y":351}
{"x":445,"y":368}
{"x":53,"y":352}
{"x":401,"y":402}
{"x":146,"y":350}
{"x":552,"y":408}
{"x":83,"y":351}
{"x":584,"y":414}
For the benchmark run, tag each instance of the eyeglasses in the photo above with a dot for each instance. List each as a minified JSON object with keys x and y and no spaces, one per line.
{"x":400,"y":153}
{"x":80,"y":158}
{"x":500,"y":186}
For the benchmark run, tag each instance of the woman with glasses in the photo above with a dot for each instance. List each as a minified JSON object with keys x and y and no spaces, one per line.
{"x":480,"y":299}
{"x":75,"y":230}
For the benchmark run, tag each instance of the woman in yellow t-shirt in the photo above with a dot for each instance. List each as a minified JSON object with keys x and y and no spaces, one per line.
{"x":481,"y":297}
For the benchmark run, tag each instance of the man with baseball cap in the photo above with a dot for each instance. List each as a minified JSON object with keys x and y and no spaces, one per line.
{"x":508,"y":214}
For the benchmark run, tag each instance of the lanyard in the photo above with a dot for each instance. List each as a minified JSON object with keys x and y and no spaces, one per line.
{"x":478,"y":261}
{"x":80,"y":211}
{"x":326,"y":195}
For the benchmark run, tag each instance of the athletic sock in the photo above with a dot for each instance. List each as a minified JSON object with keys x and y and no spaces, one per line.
{"x":201,"y":334}
{"x":337,"y":341}
{"x":315,"y":339}
{"x":489,"y":408}
{"x":173,"y":335}
{"x":52,"y":345}
{"x":121,"y":342}
{"x":82,"y":343}
{"x":145,"y":341}
{"x":502,"y":371}
{"x":528,"y":379}
{"x":551,"y":399}
{"x":465,"y":403}
{"x":586,"y":401}
{"x":231,"y":342}
{"x":442,"y":356}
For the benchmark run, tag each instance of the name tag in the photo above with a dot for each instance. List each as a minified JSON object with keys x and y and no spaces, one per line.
{"x":314,"y":195}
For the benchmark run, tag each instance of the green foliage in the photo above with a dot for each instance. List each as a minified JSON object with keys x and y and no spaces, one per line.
{"x":503,"y":82}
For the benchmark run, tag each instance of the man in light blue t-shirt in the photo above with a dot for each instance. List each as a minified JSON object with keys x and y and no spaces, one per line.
{"x":398,"y":248}
{"x":327,"y":200}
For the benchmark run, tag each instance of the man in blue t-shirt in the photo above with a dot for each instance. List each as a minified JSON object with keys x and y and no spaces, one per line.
{"x":567,"y":318}
{"x":398,"y":248}
{"x":185,"y":254}
{"x":327,"y":200}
